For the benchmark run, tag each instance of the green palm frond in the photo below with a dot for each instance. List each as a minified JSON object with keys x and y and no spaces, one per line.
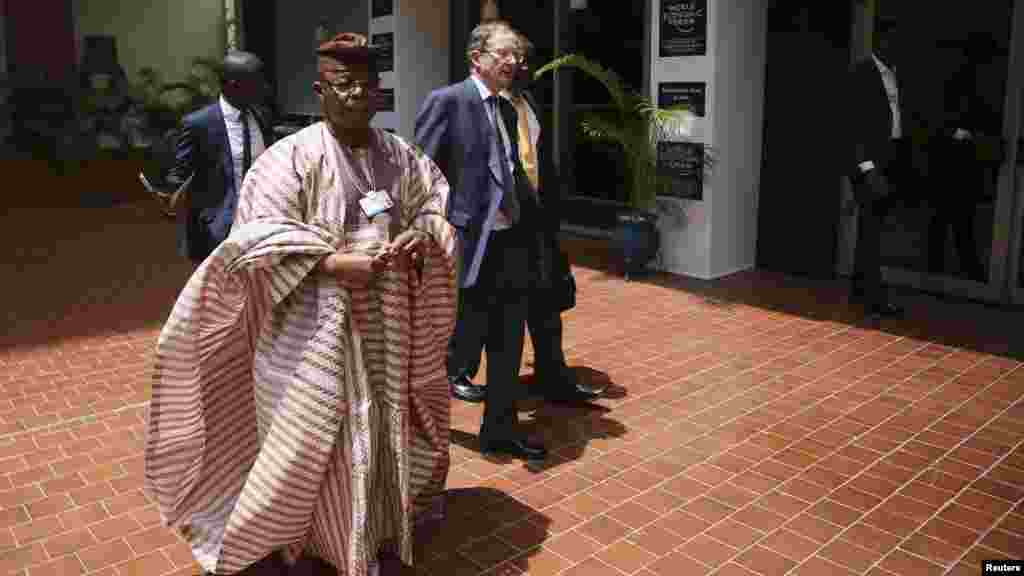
{"x":611,"y":81}
{"x":635,"y":125}
{"x":601,"y":129}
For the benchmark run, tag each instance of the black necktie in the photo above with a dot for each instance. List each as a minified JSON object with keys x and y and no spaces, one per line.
{"x":510,"y":199}
{"x":246,"y":144}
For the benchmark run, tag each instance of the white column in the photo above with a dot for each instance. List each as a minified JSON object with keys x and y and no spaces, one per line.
{"x":232,"y":25}
{"x":421,"y":45}
{"x":717,"y":234}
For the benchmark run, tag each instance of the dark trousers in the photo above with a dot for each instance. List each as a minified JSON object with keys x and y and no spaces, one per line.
{"x":959,"y":182}
{"x":544,"y":325}
{"x":867,"y":258}
{"x":872,"y":212}
{"x":492,"y":316}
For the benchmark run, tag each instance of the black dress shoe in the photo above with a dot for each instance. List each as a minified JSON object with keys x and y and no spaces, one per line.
{"x":514,"y":447}
{"x":884,"y":311}
{"x":565,"y":389}
{"x":579,"y":393}
{"x":464,"y":389}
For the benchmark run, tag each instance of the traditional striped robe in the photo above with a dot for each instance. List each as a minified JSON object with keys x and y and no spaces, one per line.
{"x":288,"y":412}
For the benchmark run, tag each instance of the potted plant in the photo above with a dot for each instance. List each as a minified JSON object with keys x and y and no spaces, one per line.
{"x":635,"y":125}
{"x":164,"y":105}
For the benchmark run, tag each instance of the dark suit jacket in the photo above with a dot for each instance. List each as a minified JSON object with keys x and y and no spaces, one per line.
{"x":453,"y":128}
{"x":869,"y":118}
{"x":210,"y":201}
{"x":553,"y":263}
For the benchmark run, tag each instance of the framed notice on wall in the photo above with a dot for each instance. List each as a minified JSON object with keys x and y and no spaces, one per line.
{"x":683,"y":28}
{"x":386,"y":100}
{"x":684,"y":163}
{"x":385,"y":44}
{"x":689,"y":94}
{"x":381,"y":8}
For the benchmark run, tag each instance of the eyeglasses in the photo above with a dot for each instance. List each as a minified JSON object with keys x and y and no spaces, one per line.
{"x":347,"y":88}
{"x":507,"y":56}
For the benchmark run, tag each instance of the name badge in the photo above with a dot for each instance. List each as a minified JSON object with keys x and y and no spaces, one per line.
{"x":376,"y":202}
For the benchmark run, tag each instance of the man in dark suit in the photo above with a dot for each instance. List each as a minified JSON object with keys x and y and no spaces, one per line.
{"x":880,"y":157}
{"x":959,"y":174}
{"x":553,"y":379}
{"x":216,"y":147}
{"x":471,"y":132}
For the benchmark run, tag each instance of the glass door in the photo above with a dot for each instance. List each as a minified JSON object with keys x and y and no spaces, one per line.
{"x":959,"y":77}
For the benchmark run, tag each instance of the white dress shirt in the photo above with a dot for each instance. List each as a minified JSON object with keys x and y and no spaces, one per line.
{"x":893,"y":93}
{"x":233,"y":124}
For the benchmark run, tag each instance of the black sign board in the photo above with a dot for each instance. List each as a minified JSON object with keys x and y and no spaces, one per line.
{"x":684,"y":163}
{"x":690,"y":94}
{"x":385,"y":44}
{"x":387,"y":100}
{"x":684,"y":28}
{"x":382,"y":8}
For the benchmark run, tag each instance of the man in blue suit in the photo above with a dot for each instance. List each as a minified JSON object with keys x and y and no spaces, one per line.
{"x":217,"y":146}
{"x":472,"y":134}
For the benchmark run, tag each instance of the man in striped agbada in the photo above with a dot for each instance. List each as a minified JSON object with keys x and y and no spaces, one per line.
{"x":300,"y":400}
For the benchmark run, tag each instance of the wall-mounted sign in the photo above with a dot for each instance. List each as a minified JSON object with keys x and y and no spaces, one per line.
{"x":382,"y":8}
{"x":385,"y":51}
{"x":690,"y":94}
{"x":387,"y":100}
{"x":684,"y":163}
{"x":684,"y":28}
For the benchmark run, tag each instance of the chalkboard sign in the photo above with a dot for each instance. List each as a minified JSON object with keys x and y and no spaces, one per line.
{"x":385,"y":44}
{"x":382,"y":8}
{"x":386,"y":100}
{"x":684,"y":28}
{"x":684,"y":163}
{"x":690,"y":94}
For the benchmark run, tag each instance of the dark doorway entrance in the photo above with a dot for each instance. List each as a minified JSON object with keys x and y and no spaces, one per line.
{"x":808,"y":55}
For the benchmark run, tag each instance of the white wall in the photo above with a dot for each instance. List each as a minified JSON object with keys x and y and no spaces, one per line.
{"x":296,"y":44}
{"x":422,"y":41}
{"x":717,"y":235}
{"x":738,"y":126}
{"x":162,"y":34}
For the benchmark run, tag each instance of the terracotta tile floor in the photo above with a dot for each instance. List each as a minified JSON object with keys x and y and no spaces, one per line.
{"x":753,"y":427}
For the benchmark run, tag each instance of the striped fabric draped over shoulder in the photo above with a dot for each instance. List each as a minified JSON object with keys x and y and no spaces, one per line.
{"x":289,"y":412}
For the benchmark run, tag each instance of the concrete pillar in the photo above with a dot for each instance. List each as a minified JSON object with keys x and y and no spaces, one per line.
{"x":421,"y":44}
{"x":716,"y":234}
{"x":233,"y":39}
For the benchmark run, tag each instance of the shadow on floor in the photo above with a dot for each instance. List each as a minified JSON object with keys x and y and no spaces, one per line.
{"x":570,"y":426}
{"x":463,"y":543}
{"x":955,"y":322}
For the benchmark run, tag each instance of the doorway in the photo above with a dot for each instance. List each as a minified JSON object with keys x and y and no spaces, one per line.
{"x":808,"y":47}
{"x":960,"y":76}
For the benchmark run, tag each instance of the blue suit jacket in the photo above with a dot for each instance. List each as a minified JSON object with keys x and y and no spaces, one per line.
{"x":203,"y":150}
{"x":453,"y":128}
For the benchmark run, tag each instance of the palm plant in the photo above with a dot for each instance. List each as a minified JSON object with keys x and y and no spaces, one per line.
{"x":635,"y":125}
{"x":167,"y":103}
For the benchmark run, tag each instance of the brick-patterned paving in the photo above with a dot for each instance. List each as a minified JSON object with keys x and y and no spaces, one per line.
{"x":753,"y":426}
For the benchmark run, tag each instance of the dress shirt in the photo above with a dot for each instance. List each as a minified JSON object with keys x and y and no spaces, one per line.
{"x":892,"y":92}
{"x":233,"y":124}
{"x":500,"y":221}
